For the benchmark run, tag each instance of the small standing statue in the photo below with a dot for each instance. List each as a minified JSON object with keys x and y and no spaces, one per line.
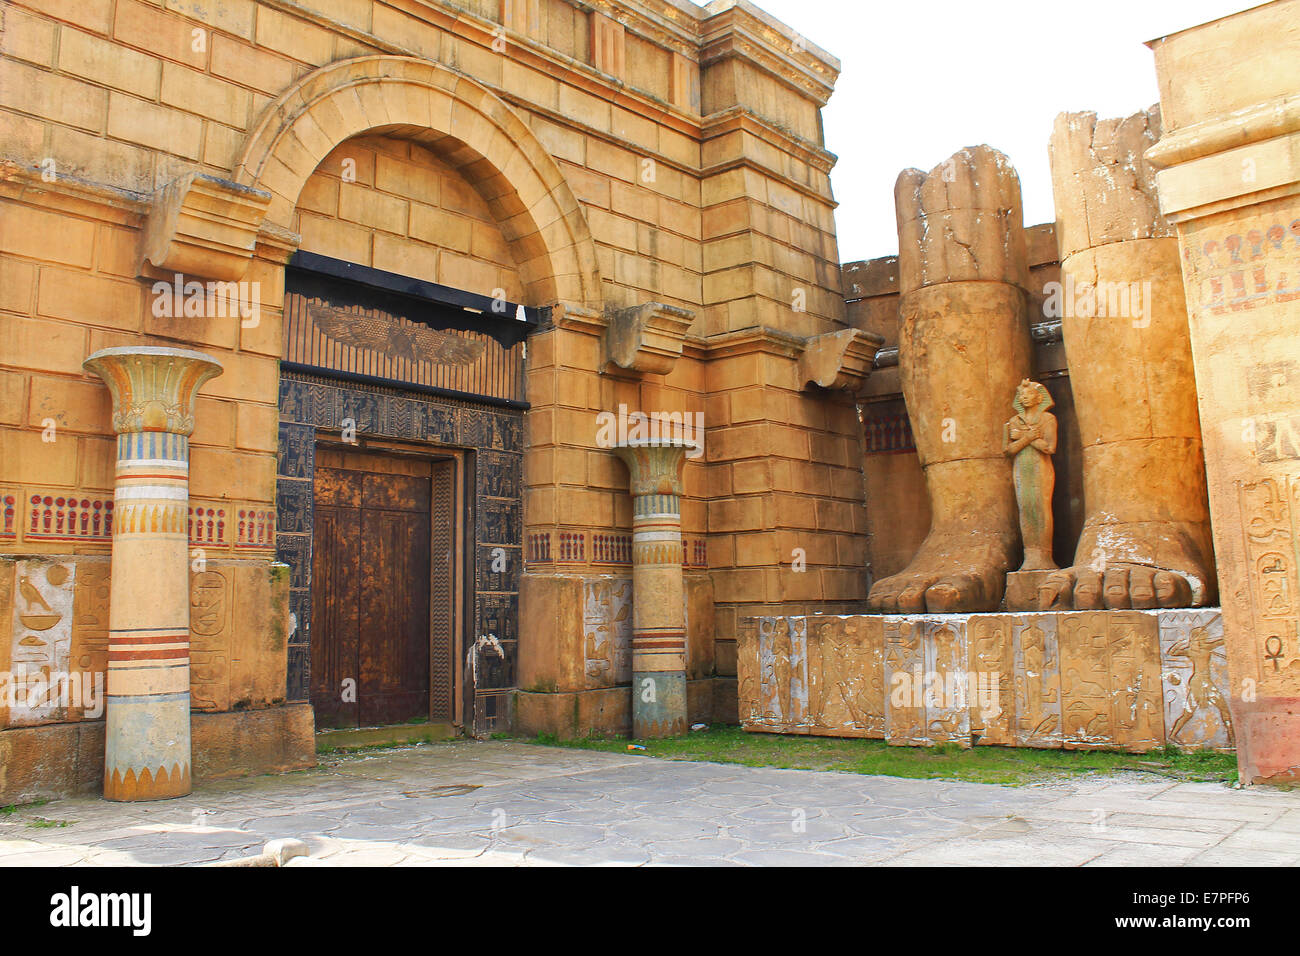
{"x":1030,"y":439}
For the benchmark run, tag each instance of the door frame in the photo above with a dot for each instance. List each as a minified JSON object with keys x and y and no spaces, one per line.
{"x":462,"y":571}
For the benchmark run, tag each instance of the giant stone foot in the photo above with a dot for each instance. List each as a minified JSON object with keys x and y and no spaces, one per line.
{"x":953,"y":571}
{"x":964,"y":348}
{"x":1139,"y":565}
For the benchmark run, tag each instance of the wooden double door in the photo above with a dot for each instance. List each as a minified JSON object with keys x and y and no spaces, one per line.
{"x":382,"y":595}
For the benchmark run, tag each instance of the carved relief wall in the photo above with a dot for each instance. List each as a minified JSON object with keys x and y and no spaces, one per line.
{"x":1131,"y":680}
{"x":54,"y":636}
{"x":494,"y":522}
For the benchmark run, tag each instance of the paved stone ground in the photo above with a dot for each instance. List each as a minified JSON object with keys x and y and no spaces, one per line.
{"x":508,"y":804}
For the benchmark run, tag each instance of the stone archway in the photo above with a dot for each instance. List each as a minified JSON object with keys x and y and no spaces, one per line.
{"x":479,"y":133}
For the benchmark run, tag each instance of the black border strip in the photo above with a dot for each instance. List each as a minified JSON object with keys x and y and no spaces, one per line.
{"x":478,"y":305}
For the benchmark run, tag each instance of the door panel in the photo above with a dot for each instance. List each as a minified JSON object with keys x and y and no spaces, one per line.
{"x":371,"y":578}
{"x":335,"y":627}
{"x":394,"y":598}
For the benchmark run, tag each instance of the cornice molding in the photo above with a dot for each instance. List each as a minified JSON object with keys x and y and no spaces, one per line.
{"x":738,"y":32}
{"x":205,"y":226}
{"x":735,"y":118}
{"x":1263,"y":121}
{"x":70,"y":194}
{"x":647,"y":338}
{"x":840,"y":359}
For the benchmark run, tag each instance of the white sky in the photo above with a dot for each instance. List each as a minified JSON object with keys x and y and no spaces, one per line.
{"x":923,"y":78}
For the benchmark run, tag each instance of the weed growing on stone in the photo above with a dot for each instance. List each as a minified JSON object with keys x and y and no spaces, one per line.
{"x":1008,"y":766}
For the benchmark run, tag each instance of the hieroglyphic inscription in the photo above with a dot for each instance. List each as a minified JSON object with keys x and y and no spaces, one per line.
{"x":212,"y":600}
{"x":607,"y":631}
{"x":1268,"y":516}
{"x":1037,"y":680}
{"x":904,"y":672}
{"x":846,"y":675}
{"x":992,"y":669}
{"x":41,"y":638}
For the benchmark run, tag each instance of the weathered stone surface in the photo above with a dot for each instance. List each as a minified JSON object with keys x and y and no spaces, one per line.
{"x":1022,"y":589}
{"x":1081,"y":680}
{"x":965,"y":338}
{"x":1229,"y":171}
{"x":1195,"y":675}
{"x":1145,"y":541}
{"x":1104,"y":187}
{"x":60,"y":760}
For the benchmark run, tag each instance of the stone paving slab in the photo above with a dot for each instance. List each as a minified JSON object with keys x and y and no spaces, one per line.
{"x":499,"y":803}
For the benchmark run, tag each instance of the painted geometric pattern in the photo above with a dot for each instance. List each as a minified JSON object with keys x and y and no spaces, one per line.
{"x":888,"y":434}
{"x":50,"y":515}
{"x":67,"y":517}
{"x":547,"y":547}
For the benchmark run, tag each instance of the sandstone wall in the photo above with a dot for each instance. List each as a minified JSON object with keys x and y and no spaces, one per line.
{"x":665,"y":153}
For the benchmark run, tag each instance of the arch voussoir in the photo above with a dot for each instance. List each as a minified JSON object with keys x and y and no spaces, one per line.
{"x":487,"y":140}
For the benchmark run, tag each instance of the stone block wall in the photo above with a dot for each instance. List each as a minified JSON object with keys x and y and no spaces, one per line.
{"x":580,"y":158}
{"x":1131,"y":680}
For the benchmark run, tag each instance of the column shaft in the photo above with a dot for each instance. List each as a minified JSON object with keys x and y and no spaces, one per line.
{"x":147,"y":707}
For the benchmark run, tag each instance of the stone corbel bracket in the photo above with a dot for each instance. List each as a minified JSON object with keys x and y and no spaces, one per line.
{"x":204,"y":226}
{"x":647,"y":338}
{"x":840,"y":359}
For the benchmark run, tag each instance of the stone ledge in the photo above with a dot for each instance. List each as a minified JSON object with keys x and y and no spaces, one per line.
{"x":605,"y":711}
{"x":63,"y":760}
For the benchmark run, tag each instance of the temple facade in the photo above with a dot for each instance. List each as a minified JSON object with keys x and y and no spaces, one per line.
{"x":490,"y":366}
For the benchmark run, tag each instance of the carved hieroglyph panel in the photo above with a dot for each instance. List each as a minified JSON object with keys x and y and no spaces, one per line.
{"x":1195,"y":680}
{"x":41,"y":638}
{"x":992,"y":679}
{"x":1037,"y":680}
{"x":1085,"y":680}
{"x":946,"y":693}
{"x":212,"y":595}
{"x":1269,"y":515}
{"x":905,"y":722}
{"x":846,"y":676}
{"x":1079,"y":679}
{"x":1133,"y":659}
{"x":748,"y":681}
{"x":1110,"y":680}
{"x":607,"y":631}
{"x":89,"y":654}
{"x":783,"y":674}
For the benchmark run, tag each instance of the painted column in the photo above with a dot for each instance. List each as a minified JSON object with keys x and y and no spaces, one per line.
{"x":147,"y":710}
{"x":658,"y":615}
{"x":1229,"y":179}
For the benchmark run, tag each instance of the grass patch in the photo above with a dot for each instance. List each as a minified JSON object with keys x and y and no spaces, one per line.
{"x":13,"y":808}
{"x":41,"y":823}
{"x":1009,"y":766}
{"x":346,"y":750}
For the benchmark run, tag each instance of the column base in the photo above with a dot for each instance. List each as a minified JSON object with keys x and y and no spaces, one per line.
{"x":658,"y":704}
{"x":1268,"y":740}
{"x":163,"y":785}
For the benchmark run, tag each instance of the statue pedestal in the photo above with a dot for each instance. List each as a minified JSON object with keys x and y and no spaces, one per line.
{"x":1022,"y":589}
{"x":1081,"y":680}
